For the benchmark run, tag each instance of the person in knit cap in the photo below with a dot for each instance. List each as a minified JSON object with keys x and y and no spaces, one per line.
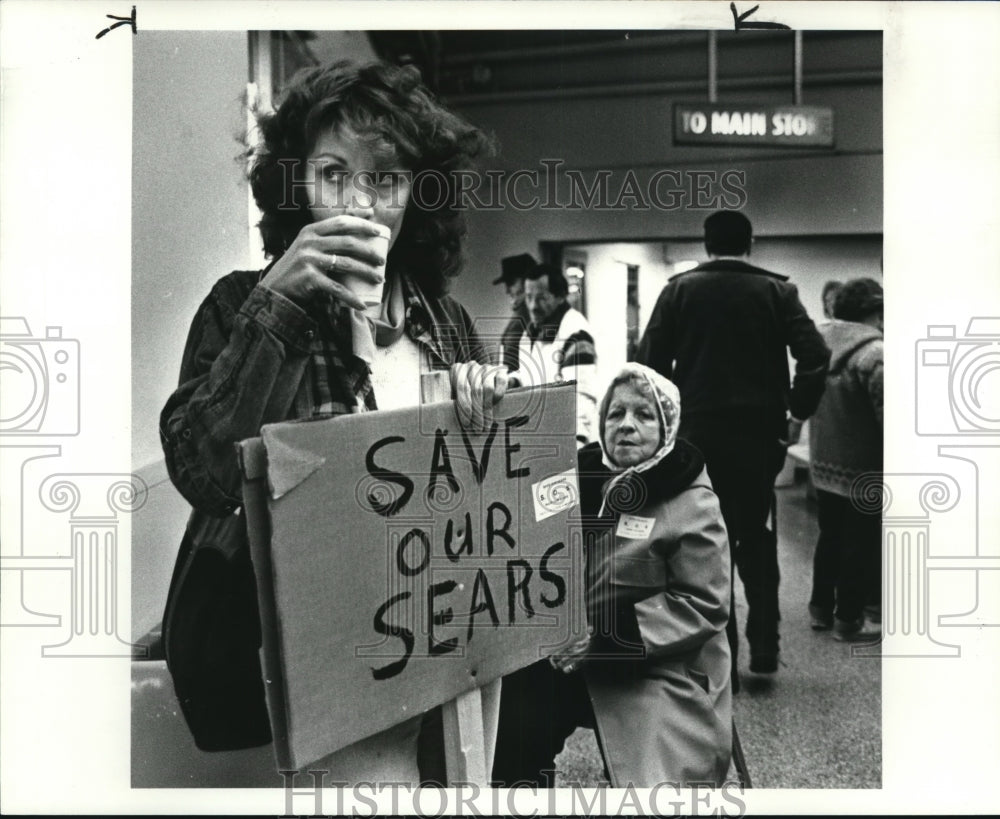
{"x":652,"y":676}
{"x":845,"y":447}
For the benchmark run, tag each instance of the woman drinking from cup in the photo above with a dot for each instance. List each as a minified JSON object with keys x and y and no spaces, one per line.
{"x":347,"y":317}
{"x":652,"y":675}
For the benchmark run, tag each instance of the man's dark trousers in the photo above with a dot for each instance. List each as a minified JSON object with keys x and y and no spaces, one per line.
{"x":743,"y":457}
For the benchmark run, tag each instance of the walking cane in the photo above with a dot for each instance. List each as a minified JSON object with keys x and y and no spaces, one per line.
{"x":739,"y":760}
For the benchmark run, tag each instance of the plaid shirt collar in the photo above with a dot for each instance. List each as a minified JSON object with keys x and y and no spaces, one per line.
{"x":337,"y":382}
{"x":418,"y":323}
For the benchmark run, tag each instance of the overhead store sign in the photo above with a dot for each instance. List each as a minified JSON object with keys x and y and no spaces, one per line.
{"x":783,"y":125}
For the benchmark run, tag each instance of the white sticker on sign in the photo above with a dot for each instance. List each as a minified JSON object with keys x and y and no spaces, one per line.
{"x":555,"y":494}
{"x":634,"y":527}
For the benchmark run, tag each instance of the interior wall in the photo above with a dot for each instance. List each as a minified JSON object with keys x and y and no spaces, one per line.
{"x":788,"y":192}
{"x":606,"y":294}
{"x":189,"y":201}
{"x":812,"y":261}
{"x":189,"y":228}
{"x":809,"y":261}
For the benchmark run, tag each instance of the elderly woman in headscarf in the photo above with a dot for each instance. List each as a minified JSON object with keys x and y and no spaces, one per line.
{"x":652,"y":676}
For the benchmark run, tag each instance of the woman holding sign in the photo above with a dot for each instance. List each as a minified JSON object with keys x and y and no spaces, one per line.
{"x":652,"y":676}
{"x":351,"y":315}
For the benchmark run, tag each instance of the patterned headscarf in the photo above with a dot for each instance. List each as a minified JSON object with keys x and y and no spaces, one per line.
{"x":667,"y":399}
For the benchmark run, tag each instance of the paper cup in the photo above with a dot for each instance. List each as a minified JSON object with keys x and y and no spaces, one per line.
{"x":435,"y":386}
{"x":371,"y":292}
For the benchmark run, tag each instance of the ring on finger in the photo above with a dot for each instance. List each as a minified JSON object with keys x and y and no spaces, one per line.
{"x":332,"y":264}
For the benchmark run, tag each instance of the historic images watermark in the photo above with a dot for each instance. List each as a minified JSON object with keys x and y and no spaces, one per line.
{"x":956,"y":376}
{"x":40,"y":389}
{"x":549,"y":187}
{"x":311,"y":792}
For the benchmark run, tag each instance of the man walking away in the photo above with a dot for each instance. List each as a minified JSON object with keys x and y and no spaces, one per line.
{"x":721,"y":332}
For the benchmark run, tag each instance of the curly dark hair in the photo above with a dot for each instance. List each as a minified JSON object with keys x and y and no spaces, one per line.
{"x":858,"y":299}
{"x":397,"y":117}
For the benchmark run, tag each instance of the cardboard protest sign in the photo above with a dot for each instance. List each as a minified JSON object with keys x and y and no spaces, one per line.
{"x":401,"y":561}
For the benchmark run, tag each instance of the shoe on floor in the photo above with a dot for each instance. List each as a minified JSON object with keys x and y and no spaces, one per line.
{"x":853,"y":631}
{"x":764,"y":663}
{"x":820,"y":619}
{"x":873,"y":614}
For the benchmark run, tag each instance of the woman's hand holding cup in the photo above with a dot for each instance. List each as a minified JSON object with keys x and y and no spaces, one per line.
{"x":342,"y":257}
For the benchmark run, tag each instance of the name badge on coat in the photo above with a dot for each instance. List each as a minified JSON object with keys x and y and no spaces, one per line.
{"x":632,"y":526}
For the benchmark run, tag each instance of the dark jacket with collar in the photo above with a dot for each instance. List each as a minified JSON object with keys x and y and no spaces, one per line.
{"x":510,"y":339}
{"x":722,"y":333}
{"x":247,"y":350}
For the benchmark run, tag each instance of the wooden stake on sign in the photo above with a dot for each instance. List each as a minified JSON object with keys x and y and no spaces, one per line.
{"x":464,"y":746}
{"x":491,"y":719}
{"x":462,"y":718}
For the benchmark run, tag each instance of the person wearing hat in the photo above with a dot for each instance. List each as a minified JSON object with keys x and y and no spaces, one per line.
{"x":845,"y":442}
{"x":514,"y":269}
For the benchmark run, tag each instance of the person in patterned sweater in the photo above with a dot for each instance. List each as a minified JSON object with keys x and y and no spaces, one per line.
{"x":845,"y":444}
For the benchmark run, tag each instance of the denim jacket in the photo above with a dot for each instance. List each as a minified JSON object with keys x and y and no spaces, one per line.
{"x":246,"y":352}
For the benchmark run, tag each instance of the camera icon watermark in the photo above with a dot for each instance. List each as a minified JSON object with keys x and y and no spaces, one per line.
{"x":958,"y":379}
{"x":44,"y":576}
{"x":39,"y":381}
{"x":958,"y":400}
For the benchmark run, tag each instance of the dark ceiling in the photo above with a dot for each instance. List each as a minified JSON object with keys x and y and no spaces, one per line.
{"x":466,"y":66}
{"x":459,"y":62}
{"x":483,"y":63}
